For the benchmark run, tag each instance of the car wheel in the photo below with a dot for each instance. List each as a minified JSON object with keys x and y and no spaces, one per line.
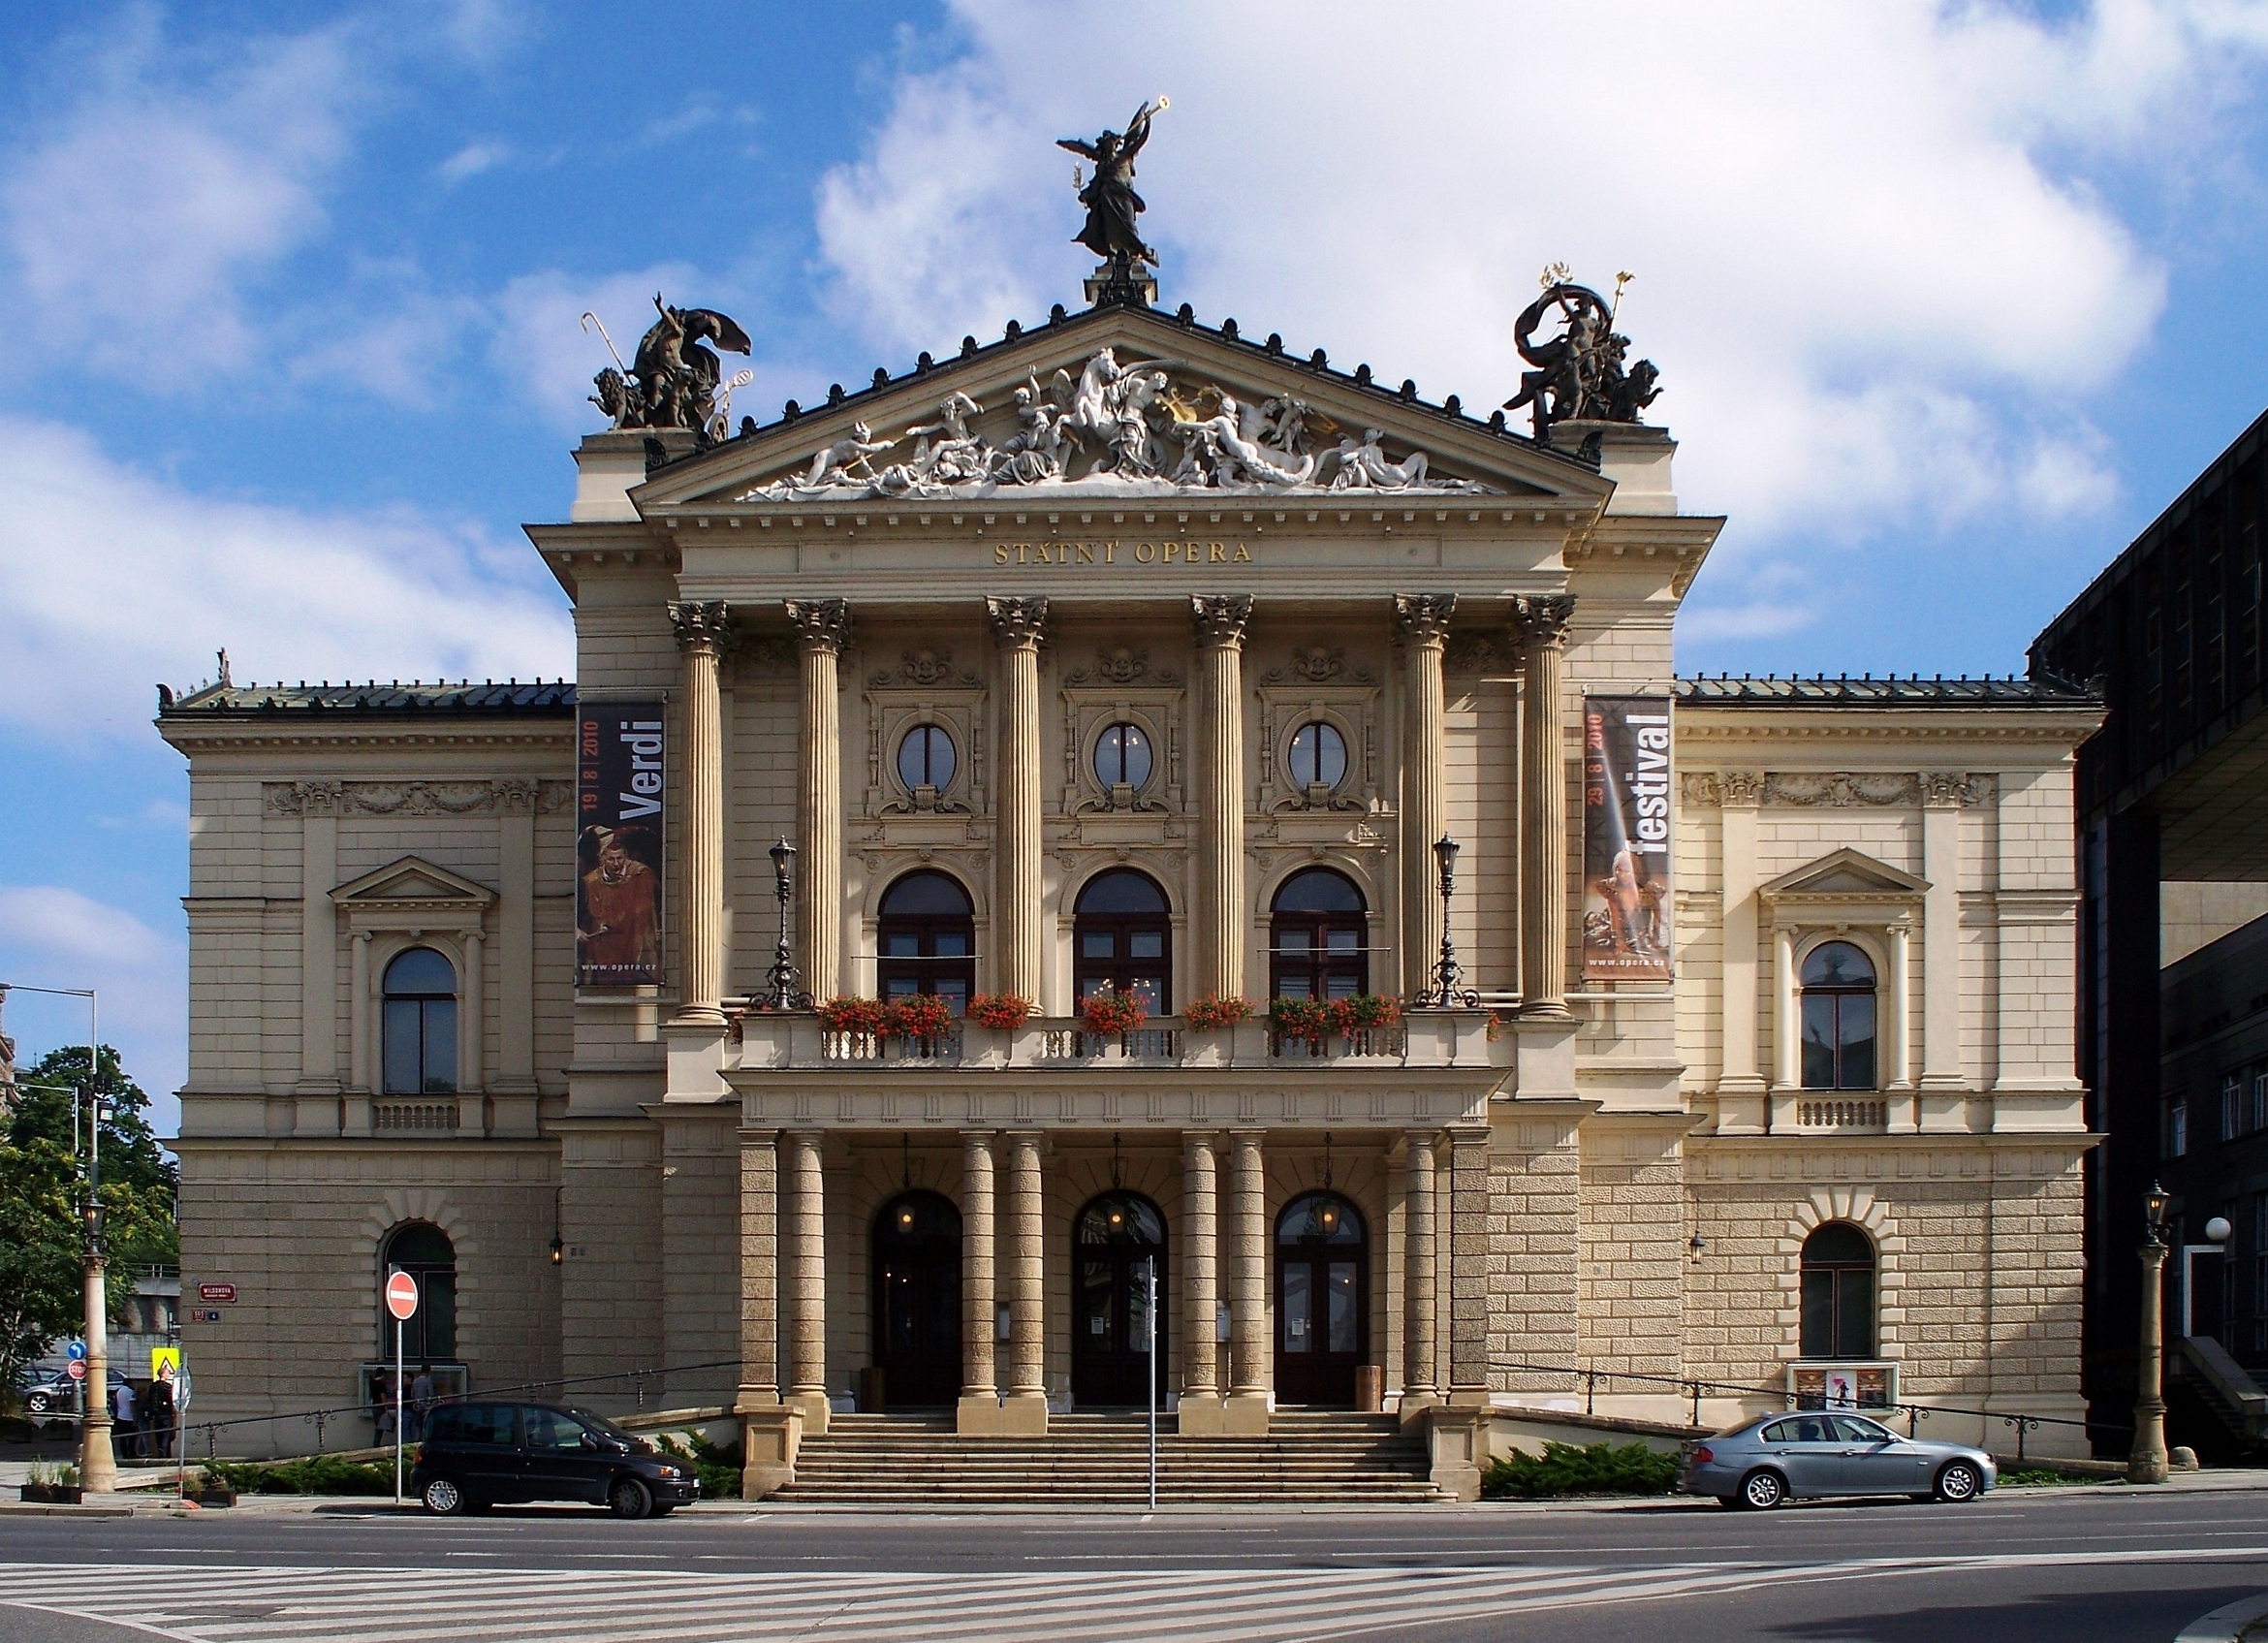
{"x":630,"y":1498}
{"x":37,"y":1403}
{"x":443,"y":1497}
{"x":1763,"y":1490}
{"x":1960,"y":1481}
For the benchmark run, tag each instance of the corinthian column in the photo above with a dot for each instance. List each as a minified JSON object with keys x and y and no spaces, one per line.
{"x":1220,"y":906}
{"x":700,"y":635}
{"x":1421,"y":621}
{"x":1017,"y":626}
{"x":1543,"y":809}
{"x":822,"y":629}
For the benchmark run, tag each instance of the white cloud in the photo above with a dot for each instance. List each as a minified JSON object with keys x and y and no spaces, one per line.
{"x":114,"y":580}
{"x":473,"y":159}
{"x":143,"y":210}
{"x":1878,"y":280}
{"x":54,"y":936}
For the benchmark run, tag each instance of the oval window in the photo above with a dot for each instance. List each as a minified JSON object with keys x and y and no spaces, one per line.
{"x":1123,"y":755}
{"x":1318,"y":754}
{"x":926,"y":758}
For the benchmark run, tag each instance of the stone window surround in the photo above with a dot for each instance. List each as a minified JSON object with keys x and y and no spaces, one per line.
{"x":432,"y":1206}
{"x":892,"y":715}
{"x":1155,"y":711}
{"x":1859,"y":1206}
{"x":1350,"y":709}
{"x":378,"y":930}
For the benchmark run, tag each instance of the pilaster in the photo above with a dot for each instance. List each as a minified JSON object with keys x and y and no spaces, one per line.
{"x":1740,"y":1086}
{"x":1468,"y":1265}
{"x":316,"y":1092}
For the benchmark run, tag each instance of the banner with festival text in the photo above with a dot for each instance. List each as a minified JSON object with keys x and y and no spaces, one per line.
{"x":1626,"y":838}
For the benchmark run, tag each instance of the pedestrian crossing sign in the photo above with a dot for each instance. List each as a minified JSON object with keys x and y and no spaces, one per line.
{"x":165,"y":1363}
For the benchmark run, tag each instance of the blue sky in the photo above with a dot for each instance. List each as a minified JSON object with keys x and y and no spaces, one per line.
{"x":1948,"y":301}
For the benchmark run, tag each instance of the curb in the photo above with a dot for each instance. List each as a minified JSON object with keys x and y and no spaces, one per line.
{"x":50,"y":1509}
{"x":2226,"y":1624}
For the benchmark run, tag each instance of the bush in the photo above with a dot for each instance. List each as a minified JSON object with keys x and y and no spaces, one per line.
{"x":1002,"y":1012}
{"x":316,"y":1475}
{"x":719,"y":1468}
{"x":1566,"y":1469}
{"x":1110,"y":1013}
{"x":1215,"y":1014}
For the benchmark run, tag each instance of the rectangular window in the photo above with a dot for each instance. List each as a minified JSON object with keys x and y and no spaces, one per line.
{"x":2177,"y":1128}
{"x":2260,"y":1272}
{"x":2259,"y":1116}
{"x":2233,"y":1107}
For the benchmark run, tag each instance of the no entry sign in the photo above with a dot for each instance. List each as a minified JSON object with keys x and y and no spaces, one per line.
{"x":401,"y":1295}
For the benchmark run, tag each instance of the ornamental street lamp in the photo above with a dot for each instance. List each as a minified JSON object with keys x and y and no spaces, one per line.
{"x":1448,"y":975}
{"x":785,"y":994}
{"x":97,"y":1466}
{"x":2148,"y":1463}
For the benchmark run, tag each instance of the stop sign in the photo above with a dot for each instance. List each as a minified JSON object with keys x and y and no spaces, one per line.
{"x":76,"y":1369}
{"x":401,"y":1295}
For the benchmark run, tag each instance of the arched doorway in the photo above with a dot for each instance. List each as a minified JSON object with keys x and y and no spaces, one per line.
{"x":1118,"y":1240}
{"x":916,"y":1300}
{"x":1322,"y":1300}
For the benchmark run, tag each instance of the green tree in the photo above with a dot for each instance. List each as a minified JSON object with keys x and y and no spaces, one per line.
{"x":41,"y":1237}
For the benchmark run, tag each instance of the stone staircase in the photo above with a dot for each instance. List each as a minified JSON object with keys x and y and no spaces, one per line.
{"x":1308,"y":1456}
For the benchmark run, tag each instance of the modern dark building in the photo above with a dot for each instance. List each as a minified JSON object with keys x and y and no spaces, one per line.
{"x":2172,"y":812}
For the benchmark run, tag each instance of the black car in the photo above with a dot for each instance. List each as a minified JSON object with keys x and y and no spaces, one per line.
{"x":475,"y":1455}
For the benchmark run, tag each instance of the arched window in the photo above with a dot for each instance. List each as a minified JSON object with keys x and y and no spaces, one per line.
{"x":420,"y":1025}
{"x":928,"y":937}
{"x":424,"y":1251}
{"x":1126,"y":939}
{"x":1317,"y":758}
{"x":1121,"y":757}
{"x":1838,"y":1018}
{"x":1838,"y":1292}
{"x":1318,"y":939}
{"x":926,"y":758}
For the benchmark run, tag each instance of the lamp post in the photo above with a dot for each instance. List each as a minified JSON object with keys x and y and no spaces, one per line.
{"x":1448,"y":974}
{"x":97,"y":1466}
{"x":2148,"y":1463}
{"x":785,"y":994}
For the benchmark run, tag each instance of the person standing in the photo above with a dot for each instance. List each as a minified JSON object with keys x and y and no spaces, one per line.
{"x":421,"y":1402}
{"x":126,"y":1438}
{"x":158,"y":1418}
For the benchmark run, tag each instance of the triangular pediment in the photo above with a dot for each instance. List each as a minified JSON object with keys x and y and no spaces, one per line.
{"x":1122,"y":403}
{"x":412,"y":880}
{"x":1842,"y":875}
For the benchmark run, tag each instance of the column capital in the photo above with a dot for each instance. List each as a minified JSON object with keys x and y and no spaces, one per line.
{"x":1543,"y":619}
{"x":1221,"y":618}
{"x":700,"y":624}
{"x":820,"y":625}
{"x":1018,"y":622}
{"x":1423,"y":619}
{"x":1743,"y":789}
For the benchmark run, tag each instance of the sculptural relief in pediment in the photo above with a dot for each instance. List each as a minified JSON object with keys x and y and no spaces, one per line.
{"x":1120,"y":428}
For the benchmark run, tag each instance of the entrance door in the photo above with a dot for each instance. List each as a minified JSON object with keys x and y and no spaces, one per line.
{"x":1322,"y":1300}
{"x":916,"y":1300}
{"x":1119,"y":1240}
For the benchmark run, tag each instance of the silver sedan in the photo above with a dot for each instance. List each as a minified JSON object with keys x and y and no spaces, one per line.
{"x":1777,"y":1457}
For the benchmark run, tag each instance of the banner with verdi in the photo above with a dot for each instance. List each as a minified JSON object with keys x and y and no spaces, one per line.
{"x":618,"y":838}
{"x":1625,"y":838}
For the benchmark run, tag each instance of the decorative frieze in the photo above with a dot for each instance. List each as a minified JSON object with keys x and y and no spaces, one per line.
{"x":1481,"y":650}
{"x":414,"y":798}
{"x":1317,"y":664}
{"x":1837,"y":789}
{"x":924,"y":667}
{"x":1121,"y":665}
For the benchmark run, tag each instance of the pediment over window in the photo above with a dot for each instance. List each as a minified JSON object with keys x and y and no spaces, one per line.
{"x":413,"y":885}
{"x":1845,"y":876}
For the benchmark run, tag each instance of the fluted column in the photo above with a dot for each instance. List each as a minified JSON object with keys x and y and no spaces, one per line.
{"x":808,"y":1319}
{"x":1252,"y":1352}
{"x":1200,"y":1287}
{"x":759,"y":1267}
{"x":700,"y":628}
{"x":1420,"y":1297}
{"x":1018,"y":625}
{"x":1027,"y":1387}
{"x":977,"y":1304}
{"x":1543,"y":809}
{"x":1221,"y":918}
{"x":1421,"y":621}
{"x":822,"y":629}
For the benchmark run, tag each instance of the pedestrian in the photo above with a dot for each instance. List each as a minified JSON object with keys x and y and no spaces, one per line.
{"x":158,"y":1418}
{"x":420,"y":1400}
{"x":382,"y":1406}
{"x":125,"y":1439}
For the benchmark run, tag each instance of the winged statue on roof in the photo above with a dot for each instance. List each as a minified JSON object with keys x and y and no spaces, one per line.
{"x":673,"y":380}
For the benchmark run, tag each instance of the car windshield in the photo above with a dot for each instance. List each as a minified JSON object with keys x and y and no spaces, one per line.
{"x":606,"y":1428}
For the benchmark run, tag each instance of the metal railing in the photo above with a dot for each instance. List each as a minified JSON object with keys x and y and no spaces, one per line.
{"x":1694,"y":1389}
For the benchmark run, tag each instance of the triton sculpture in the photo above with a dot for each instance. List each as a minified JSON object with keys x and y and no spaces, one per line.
{"x":671,"y":381}
{"x":1579,"y":375}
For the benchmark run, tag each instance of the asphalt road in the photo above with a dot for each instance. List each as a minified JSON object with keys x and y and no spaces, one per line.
{"x":2101,"y":1565}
